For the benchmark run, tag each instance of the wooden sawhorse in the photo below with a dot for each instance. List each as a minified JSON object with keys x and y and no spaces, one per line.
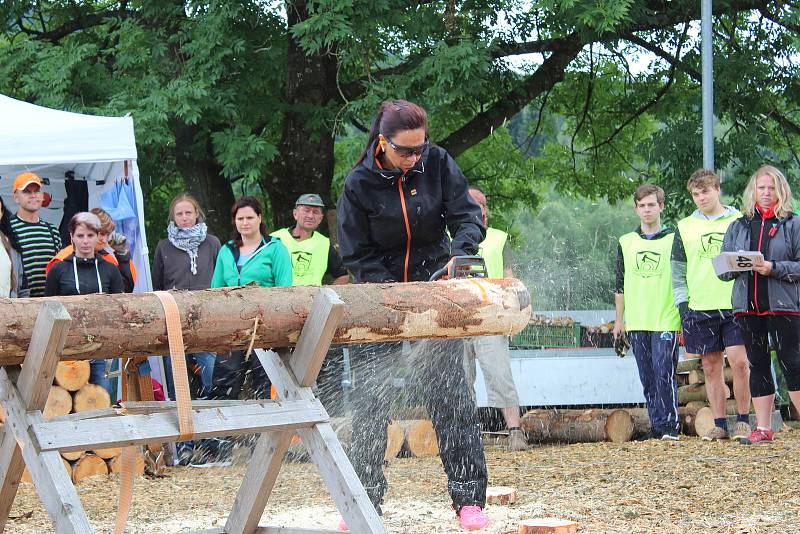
{"x":29,"y":440}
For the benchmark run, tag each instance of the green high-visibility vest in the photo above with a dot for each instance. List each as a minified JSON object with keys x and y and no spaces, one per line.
{"x":702,"y":240}
{"x":491,"y":249}
{"x":648,"y":283}
{"x":309,"y":257}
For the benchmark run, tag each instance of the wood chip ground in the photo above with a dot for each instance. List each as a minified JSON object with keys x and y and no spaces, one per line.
{"x":639,"y":487}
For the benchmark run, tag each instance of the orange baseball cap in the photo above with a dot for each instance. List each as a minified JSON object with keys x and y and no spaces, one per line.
{"x":25,"y":179}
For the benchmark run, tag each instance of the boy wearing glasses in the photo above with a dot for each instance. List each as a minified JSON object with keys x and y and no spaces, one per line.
{"x":38,"y":239}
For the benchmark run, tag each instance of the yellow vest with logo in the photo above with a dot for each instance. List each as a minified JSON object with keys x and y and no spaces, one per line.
{"x":309,"y":257}
{"x":702,"y":240}
{"x":649,"y":304}
{"x":491,"y":249}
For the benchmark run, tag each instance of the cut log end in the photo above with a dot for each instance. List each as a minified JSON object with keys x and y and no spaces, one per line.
{"x":91,"y":397}
{"x":703,"y":421}
{"x":107,"y":454}
{"x":115,"y":464}
{"x":420,"y":438}
{"x":72,"y":455}
{"x":619,"y":426}
{"x":394,"y":441}
{"x":88,"y":466}
{"x":502,"y":495}
{"x":26,"y":475}
{"x":72,"y":375}
{"x":547,"y":525}
{"x":59,"y":402}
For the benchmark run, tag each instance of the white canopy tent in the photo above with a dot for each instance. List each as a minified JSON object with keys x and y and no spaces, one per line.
{"x":99,"y":150}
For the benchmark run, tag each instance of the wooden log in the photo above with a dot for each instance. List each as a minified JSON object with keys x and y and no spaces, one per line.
{"x":696,"y":392}
{"x":218,"y":320}
{"x":699,"y":377}
{"x":420,"y":438}
{"x":72,"y":455}
{"x":696,"y":405}
{"x":641,"y":422}
{"x":689,"y":364}
{"x":109,"y":453}
{"x":502,"y":495}
{"x":703,"y":421}
{"x":547,"y":525}
{"x":26,"y":475}
{"x":87,"y":466}
{"x":115,"y":464}
{"x":395,"y":436}
{"x":91,"y":397}
{"x":59,"y":402}
{"x":73,"y":375}
{"x":578,"y":426}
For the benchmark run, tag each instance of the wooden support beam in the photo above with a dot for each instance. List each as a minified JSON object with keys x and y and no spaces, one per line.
{"x":326,"y":452}
{"x":219,"y":320}
{"x":272,"y":530}
{"x":140,"y":429}
{"x":30,"y":395}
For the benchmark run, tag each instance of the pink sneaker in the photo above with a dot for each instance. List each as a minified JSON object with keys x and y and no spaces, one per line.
{"x":472,"y":518}
{"x":343,"y":525}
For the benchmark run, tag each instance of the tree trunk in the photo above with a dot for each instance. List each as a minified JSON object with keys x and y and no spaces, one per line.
{"x":59,"y":402}
{"x":578,"y":426}
{"x":91,"y":397}
{"x":195,"y":160}
{"x":218,"y":320}
{"x":73,"y":375}
{"x":88,"y":466}
{"x":305,"y":161}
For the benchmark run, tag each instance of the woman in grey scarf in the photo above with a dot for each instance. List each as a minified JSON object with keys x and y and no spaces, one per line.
{"x":186,"y":260}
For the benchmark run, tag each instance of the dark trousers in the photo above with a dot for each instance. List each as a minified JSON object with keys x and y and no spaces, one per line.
{"x":657,"y":357}
{"x":437,"y":367}
{"x":229,"y":373}
{"x":785,"y":330}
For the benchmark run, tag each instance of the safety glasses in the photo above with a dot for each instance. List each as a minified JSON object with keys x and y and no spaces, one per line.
{"x":407,"y":151}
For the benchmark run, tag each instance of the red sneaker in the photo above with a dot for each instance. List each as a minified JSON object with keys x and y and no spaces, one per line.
{"x":472,"y":518}
{"x":759,"y":436}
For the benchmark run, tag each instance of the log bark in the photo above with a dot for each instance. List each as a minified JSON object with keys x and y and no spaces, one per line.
{"x":697,"y":392}
{"x":88,"y":466}
{"x":91,"y":397}
{"x":420,"y":438}
{"x":503,"y":495}
{"x":689,"y":364}
{"x":578,"y":426}
{"x":547,"y":525}
{"x":218,"y":320}
{"x":59,"y":402}
{"x":73,"y":375}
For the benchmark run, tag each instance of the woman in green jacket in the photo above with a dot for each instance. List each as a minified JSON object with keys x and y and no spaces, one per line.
{"x":251,"y":256}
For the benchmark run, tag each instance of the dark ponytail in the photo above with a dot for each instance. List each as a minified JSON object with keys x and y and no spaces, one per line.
{"x":394,"y":116}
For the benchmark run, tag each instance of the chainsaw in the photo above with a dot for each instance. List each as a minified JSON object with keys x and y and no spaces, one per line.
{"x":463,"y":267}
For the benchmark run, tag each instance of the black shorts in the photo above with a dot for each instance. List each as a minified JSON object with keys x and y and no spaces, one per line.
{"x":710,"y":331}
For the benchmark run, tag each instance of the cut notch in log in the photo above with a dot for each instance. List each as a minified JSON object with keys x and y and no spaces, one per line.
{"x":218,"y":320}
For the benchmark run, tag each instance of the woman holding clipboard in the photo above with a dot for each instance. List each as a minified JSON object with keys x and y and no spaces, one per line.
{"x":766,"y":299}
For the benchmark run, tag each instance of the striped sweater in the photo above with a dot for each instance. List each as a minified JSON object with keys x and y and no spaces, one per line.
{"x":39,"y":242}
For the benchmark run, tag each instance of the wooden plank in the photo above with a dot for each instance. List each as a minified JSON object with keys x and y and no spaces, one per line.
{"x":325,"y":451}
{"x":149,"y":407}
{"x":140,"y":429}
{"x":315,"y":338}
{"x":272,"y":530}
{"x":53,"y":484}
{"x":265,"y":464}
{"x":47,"y":342}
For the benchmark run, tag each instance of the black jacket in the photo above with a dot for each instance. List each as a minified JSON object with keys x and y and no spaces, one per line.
{"x":61,"y":278}
{"x":374,"y":224}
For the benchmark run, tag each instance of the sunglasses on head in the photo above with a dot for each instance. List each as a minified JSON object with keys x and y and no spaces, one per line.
{"x":407,"y":151}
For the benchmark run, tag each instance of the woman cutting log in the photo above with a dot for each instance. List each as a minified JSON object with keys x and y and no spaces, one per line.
{"x":398,"y":203}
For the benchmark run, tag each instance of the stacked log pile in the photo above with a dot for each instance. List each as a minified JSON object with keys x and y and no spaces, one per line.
{"x":72,"y":393}
{"x":695,"y":415}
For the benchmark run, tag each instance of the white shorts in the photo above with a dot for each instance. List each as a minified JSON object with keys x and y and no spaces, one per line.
{"x":495,"y":360}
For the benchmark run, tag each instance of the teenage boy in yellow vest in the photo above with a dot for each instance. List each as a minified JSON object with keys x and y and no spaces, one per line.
{"x":313,"y":255}
{"x":492,"y":351}
{"x":704,"y":302}
{"x":645,"y":309}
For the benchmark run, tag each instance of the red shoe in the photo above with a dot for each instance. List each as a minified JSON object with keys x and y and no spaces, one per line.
{"x":472,"y":518}
{"x":760,"y":436}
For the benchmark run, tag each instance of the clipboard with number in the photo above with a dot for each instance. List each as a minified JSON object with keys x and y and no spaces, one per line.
{"x":742,"y":260}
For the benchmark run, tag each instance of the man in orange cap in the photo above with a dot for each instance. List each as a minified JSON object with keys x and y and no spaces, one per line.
{"x":38,"y":239}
